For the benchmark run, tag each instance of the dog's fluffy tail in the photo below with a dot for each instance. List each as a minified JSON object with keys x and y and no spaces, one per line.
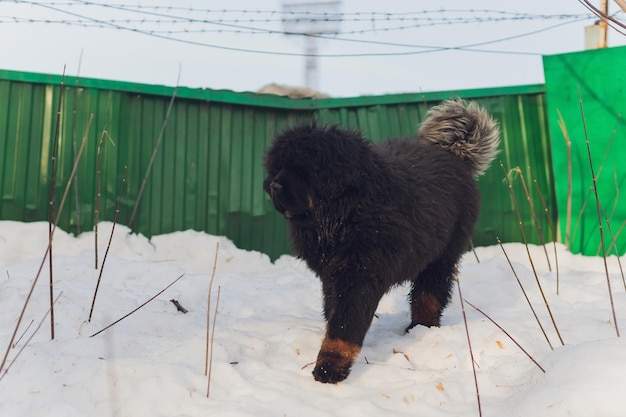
{"x":464,"y":129}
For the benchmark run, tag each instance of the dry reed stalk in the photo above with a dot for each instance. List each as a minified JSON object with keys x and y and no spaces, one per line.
{"x":581,"y":212}
{"x":6,"y":371}
{"x":138,"y":308}
{"x":208,"y":310}
{"x":469,"y":343}
{"x":568,"y":149}
{"x":534,"y":215}
{"x":55,"y":148}
{"x":106,"y":253}
{"x":617,"y":256}
{"x":609,"y":218}
{"x":74,"y":148}
{"x":98,"y":195}
{"x":43,"y":260}
{"x":525,"y":295}
{"x":508,"y":335}
{"x":217,"y":303}
{"x":474,"y":250}
{"x":552,"y":231}
{"x":530,"y":258}
{"x":619,"y":232}
{"x":17,"y":342}
{"x":613,"y":245}
{"x":154,"y":152}
{"x":607,"y":19}
{"x":595,"y":192}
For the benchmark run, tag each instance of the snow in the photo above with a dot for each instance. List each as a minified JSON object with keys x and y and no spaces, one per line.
{"x":269,"y":327}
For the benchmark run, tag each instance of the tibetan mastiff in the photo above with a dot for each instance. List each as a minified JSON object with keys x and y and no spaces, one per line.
{"x":366,"y":216}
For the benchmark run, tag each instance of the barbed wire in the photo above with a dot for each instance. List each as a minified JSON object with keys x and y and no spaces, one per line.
{"x":166,"y":22}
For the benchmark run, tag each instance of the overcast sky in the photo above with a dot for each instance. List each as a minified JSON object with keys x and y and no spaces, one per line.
{"x":382,"y":47}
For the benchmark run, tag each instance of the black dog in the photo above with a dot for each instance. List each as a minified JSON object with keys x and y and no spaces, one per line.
{"x":368,"y":216}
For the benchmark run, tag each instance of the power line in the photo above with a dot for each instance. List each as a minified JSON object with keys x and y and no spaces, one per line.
{"x":235,"y":26}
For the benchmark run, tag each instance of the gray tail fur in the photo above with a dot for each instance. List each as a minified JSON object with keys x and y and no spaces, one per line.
{"x":464,"y":129}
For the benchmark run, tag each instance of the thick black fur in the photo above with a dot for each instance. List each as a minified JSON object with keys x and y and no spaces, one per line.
{"x":368,"y":216}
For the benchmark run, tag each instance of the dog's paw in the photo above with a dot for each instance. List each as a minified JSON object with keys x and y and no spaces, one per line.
{"x":334,"y":360}
{"x":329,"y":372}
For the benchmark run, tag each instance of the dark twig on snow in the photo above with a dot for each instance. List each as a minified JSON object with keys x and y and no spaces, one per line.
{"x":179,"y":307}
{"x":138,"y":308}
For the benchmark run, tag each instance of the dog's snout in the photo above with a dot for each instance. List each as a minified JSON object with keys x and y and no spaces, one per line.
{"x":276,"y":187}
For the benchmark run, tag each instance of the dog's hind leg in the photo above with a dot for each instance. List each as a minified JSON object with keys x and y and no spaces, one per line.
{"x":430,"y":293}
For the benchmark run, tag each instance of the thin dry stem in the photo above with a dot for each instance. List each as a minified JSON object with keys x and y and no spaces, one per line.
{"x":55,"y":147}
{"x":154,"y":153}
{"x":609,"y":218}
{"x":17,"y":342}
{"x":74,"y":149}
{"x":597,"y":176}
{"x":43,"y":260}
{"x":568,"y":149}
{"x":469,"y":344}
{"x":530,"y":258}
{"x":619,"y":232}
{"x":552,"y":232}
{"x":607,"y":19}
{"x":138,"y":308}
{"x":6,"y":371}
{"x":56,"y":222}
{"x":98,"y":191}
{"x":595,"y":192}
{"x":534,"y":215}
{"x":613,"y":245}
{"x":98,"y":195}
{"x":508,"y":335}
{"x":208,"y":310}
{"x":474,"y":250}
{"x":106,"y":253}
{"x":217,"y":303}
{"x":525,"y":295}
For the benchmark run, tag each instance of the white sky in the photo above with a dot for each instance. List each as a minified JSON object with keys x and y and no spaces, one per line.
{"x":28,"y":43}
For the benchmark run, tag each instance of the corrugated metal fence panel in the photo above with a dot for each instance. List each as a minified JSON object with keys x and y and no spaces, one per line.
{"x":597,"y":78}
{"x":207,"y":174}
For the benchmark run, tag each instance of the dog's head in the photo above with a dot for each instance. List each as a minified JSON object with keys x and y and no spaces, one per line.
{"x":289,"y":191}
{"x":311,"y":168}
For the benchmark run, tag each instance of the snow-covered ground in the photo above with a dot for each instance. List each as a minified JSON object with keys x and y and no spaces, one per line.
{"x":269,"y":327}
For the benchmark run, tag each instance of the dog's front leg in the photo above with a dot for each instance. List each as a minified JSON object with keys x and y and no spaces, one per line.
{"x":349,"y":311}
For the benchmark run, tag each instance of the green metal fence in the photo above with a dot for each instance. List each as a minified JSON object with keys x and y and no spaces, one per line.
{"x":597,"y":80}
{"x":207,"y":174}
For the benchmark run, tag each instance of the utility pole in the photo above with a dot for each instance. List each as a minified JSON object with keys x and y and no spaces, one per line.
{"x":596,"y":34}
{"x":603,"y":25}
{"x":310,"y":18}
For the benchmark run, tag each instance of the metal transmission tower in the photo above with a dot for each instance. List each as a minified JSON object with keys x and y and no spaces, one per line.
{"x":310,"y":18}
